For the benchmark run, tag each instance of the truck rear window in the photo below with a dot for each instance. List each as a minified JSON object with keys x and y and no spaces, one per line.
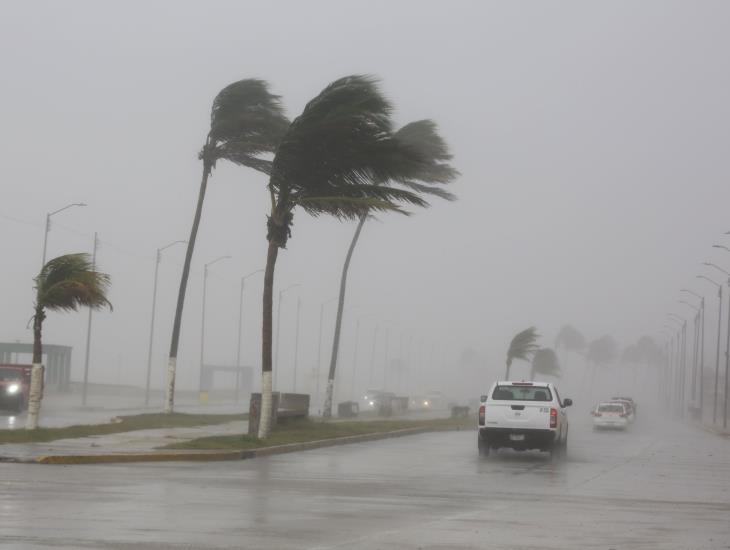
{"x":522,"y":393}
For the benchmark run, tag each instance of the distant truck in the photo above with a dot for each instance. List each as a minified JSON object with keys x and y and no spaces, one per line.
{"x":14,"y":387}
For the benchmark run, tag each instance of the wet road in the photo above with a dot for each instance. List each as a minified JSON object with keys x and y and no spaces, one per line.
{"x":652,"y":487}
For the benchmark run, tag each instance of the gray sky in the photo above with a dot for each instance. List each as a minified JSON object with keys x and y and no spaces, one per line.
{"x":592,"y":138}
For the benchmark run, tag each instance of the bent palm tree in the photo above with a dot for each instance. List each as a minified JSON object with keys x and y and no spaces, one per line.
{"x":64,"y":284}
{"x":246,"y":122}
{"x":424,"y":165}
{"x":523,"y":346}
{"x":545,"y":361}
{"x":326,"y":164}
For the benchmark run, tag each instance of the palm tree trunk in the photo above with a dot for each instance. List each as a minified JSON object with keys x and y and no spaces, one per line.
{"x":506,"y":374}
{"x":36,"y":376}
{"x":327,"y":412}
{"x":266,"y":341}
{"x":172,"y":361}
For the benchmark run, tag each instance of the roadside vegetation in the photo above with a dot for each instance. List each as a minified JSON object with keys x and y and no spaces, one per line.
{"x":310,"y":430}
{"x":122,"y":424}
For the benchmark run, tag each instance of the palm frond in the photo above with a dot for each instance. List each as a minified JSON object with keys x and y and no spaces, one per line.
{"x":347,"y":208}
{"x":570,"y":338}
{"x":69,"y":282}
{"x":523,"y":345}
{"x":337,"y":141}
{"x":246,"y":121}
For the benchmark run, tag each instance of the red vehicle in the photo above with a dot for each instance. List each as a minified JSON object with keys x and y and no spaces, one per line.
{"x":14,"y":387}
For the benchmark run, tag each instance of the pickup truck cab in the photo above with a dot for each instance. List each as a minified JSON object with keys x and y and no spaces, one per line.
{"x":522,"y":416}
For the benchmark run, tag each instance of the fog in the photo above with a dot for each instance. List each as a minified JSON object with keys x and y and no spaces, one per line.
{"x":591,"y":140}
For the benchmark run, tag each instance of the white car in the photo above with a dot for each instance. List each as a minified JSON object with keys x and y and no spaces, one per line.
{"x":522,"y":416}
{"x":611,"y":414}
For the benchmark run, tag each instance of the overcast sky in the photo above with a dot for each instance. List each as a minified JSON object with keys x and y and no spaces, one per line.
{"x":592,"y":138}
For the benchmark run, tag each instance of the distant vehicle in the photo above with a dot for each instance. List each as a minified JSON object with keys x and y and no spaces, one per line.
{"x":631,"y":402}
{"x":523,"y":416}
{"x":14,"y":387}
{"x":379,"y":401}
{"x":611,"y":414}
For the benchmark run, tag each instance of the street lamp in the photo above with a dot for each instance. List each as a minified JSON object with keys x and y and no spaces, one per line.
{"x":278,"y":329}
{"x":682,"y":359}
{"x":240,"y":318}
{"x":319,"y":347}
{"x":695,"y":349}
{"x":48,"y":226}
{"x":717,"y":358}
{"x":727,"y":347}
{"x":152,"y":321}
{"x":202,"y":323}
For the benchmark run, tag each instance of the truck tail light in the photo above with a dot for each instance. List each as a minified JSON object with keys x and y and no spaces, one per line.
{"x":482,"y":414}
{"x":553,"y":418}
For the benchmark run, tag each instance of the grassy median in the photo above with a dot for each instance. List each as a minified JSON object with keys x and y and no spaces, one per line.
{"x":122,"y":424}
{"x":313,"y":430}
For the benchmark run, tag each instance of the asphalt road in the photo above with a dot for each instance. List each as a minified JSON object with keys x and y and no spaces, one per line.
{"x":655,"y":486}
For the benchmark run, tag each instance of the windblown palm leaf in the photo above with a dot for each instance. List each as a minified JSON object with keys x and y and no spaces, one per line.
{"x":68,"y":282}
{"x":246,"y":121}
{"x":523,"y":346}
{"x":545,"y":361}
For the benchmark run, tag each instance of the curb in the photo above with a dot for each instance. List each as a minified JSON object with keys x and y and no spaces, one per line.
{"x":209,"y":456}
{"x":715,"y":431}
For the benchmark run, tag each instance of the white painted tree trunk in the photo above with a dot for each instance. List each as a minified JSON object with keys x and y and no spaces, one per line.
{"x":328,"y":398}
{"x":265,"y":413}
{"x":170,"y":391}
{"x":36,"y":394}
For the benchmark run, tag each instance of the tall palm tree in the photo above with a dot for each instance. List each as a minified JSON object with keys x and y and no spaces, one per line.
{"x":64,"y":284}
{"x":424,"y":166}
{"x":570,"y":339}
{"x":545,"y":361}
{"x":523,"y":346}
{"x":246,"y":123}
{"x":326,"y":163}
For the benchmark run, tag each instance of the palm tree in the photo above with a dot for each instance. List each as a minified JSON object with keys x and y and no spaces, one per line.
{"x":545,"y":361}
{"x":571,"y":339}
{"x":602,"y":351}
{"x":64,"y":284}
{"x":523,"y":346}
{"x":424,"y":166}
{"x":326,"y":163}
{"x":246,"y":123}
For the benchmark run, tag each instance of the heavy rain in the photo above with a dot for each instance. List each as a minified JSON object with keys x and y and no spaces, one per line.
{"x":407,"y":274}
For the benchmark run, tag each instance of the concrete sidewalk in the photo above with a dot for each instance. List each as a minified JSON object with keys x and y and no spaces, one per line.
{"x":126,"y":443}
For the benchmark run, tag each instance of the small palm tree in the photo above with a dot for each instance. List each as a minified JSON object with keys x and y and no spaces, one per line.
{"x":246,"y":123}
{"x":423,"y":167}
{"x":64,"y":284}
{"x":523,"y":346}
{"x":326,"y":163}
{"x":545,"y":361}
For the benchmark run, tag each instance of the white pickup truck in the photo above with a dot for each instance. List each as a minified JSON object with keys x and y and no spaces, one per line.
{"x":522,"y":416}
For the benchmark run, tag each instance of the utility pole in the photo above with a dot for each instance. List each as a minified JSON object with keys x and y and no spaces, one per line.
{"x":88,"y":331}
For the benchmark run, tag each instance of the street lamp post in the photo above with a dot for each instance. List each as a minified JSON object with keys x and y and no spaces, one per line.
{"x":695,"y":347}
{"x":278,"y":328}
{"x":296,"y":341}
{"x":152,"y":321}
{"x":48,"y":227}
{"x":240,"y":320}
{"x":682,"y":362}
{"x":202,"y":323}
{"x":727,"y":346}
{"x":717,"y":358}
{"x":702,"y":350}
